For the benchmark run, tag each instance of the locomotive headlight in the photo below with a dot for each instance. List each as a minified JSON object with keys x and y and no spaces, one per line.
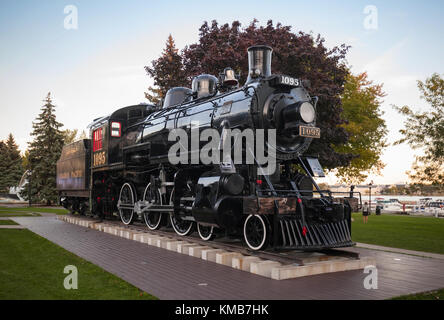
{"x":307,"y":112}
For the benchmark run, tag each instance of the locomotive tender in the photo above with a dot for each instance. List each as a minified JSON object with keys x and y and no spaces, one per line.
{"x":125,"y":168}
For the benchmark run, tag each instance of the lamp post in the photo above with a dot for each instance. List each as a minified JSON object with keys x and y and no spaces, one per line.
{"x":370,"y":197}
{"x":352,"y":188}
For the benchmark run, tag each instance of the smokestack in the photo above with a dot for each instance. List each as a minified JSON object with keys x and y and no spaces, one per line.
{"x":259,"y":62}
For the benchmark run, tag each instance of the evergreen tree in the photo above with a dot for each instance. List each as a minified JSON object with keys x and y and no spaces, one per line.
{"x":44,"y":151}
{"x":3,"y":167}
{"x":13,"y":163}
{"x":167,"y":72}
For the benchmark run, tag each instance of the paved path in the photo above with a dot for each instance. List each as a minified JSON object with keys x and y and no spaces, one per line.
{"x":11,"y":226}
{"x":403,"y":251}
{"x":169,"y":275}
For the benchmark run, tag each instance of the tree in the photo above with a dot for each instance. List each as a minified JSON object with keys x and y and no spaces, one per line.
{"x":3,"y":168}
{"x":13,"y":163}
{"x":365,"y":126}
{"x":167,"y":72}
{"x":69,"y":136}
{"x":25,"y":161}
{"x":83,"y":135}
{"x":298,"y":55}
{"x":44,"y":151}
{"x":425,"y":130}
{"x":426,"y":170}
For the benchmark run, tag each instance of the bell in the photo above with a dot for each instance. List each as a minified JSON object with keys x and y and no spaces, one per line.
{"x":230,"y":78}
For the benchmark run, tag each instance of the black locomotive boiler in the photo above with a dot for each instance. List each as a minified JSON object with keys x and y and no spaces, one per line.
{"x":125,"y":168}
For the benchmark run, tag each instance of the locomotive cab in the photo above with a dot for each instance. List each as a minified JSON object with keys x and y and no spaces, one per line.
{"x":112,"y":133}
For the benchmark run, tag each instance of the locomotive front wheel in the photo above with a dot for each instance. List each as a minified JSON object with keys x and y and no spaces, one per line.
{"x":206,"y":232}
{"x":127,"y":199}
{"x":152,"y":219}
{"x":256,"y":232}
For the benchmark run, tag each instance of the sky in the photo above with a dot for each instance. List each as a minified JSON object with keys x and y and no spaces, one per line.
{"x":98,"y":67}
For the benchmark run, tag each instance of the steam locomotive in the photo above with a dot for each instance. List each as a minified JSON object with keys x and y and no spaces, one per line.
{"x":126,"y":168}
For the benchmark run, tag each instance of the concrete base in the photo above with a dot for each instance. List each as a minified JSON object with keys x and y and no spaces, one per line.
{"x":162,"y":242}
{"x":172,"y":245}
{"x":99,"y":226}
{"x":127,"y":234}
{"x":152,"y":240}
{"x":108,"y":230}
{"x":138,"y":236}
{"x":184,"y":247}
{"x":226,"y":258}
{"x":264,"y":268}
{"x":197,"y":251}
{"x":244,"y":263}
{"x":210,"y":254}
{"x":314,"y":263}
{"x":290,"y":272}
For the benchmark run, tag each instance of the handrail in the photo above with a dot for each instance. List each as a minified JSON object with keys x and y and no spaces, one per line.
{"x":299,"y":193}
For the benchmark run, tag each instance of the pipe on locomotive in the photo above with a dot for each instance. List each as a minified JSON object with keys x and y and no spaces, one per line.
{"x":259,"y":62}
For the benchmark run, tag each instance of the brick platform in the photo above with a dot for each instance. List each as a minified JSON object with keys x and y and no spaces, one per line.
{"x":170,"y":275}
{"x":312,"y":264}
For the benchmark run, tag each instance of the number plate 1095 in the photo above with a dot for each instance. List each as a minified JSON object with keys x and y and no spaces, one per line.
{"x":99,"y":159}
{"x":309,"y":132}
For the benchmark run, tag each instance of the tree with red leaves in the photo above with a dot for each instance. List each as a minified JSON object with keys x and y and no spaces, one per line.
{"x":295,"y":54}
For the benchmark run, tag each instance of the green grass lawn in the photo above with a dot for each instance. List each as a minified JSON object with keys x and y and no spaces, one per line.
{"x":7,"y":222}
{"x":17,"y":214}
{"x":400,"y":231}
{"x":26,"y":211}
{"x":31,"y":267}
{"x":432,"y":295}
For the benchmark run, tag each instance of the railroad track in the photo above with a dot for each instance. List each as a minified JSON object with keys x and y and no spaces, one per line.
{"x":286,"y":257}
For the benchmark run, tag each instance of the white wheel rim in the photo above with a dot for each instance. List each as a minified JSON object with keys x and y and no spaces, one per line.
{"x":161,"y":203}
{"x":177,"y":231}
{"x":263,"y":226}
{"x":132,"y":199}
{"x":172,"y":221}
{"x":200,"y":233}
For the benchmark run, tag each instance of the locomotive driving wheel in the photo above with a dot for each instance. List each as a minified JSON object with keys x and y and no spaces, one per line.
{"x":152,"y":219}
{"x":181,"y":227}
{"x":127,"y":199}
{"x":206,"y":232}
{"x":256,"y":233}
